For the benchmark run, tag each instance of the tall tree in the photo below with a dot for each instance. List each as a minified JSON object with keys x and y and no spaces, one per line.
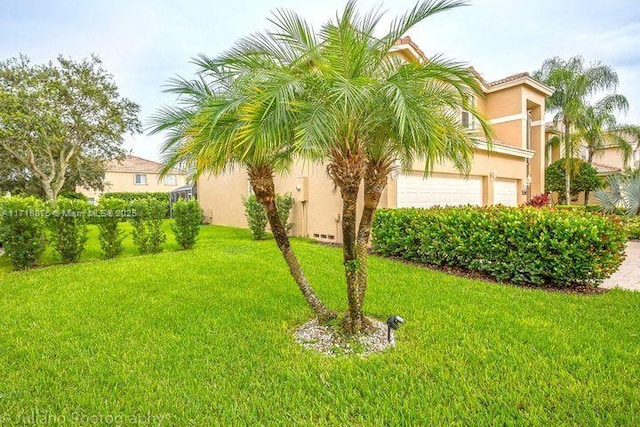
{"x":61,"y":120}
{"x":574,"y":83}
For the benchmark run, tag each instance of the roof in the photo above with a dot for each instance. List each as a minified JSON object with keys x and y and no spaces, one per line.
{"x":137,"y":164}
{"x":510,"y":78}
{"x":503,"y":83}
{"x":407,"y":40}
{"x":605,"y":169}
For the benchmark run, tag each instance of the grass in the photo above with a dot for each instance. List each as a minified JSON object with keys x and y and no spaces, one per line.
{"x":204,"y":337}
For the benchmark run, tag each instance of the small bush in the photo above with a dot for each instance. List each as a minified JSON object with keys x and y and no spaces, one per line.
{"x":187,"y":221}
{"x":284,"y":204}
{"x":147,"y":224}
{"x":22,"y":230}
{"x":539,"y":201}
{"x":561,"y":248}
{"x":109,"y":214}
{"x":256,"y":217}
{"x":130,"y":197}
{"x":68,"y":226}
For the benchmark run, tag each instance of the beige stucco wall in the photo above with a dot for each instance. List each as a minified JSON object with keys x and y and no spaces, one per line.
{"x":316,"y":211}
{"x":125,"y":182}
{"x":503,"y":103}
{"x":610,"y":157}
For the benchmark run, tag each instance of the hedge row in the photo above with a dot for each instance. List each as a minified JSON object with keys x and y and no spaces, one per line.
{"x":562,"y":248}
{"x":130,"y":197}
{"x":25,"y":223}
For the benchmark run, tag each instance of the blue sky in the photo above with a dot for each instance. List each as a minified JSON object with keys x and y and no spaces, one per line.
{"x":143,"y":42}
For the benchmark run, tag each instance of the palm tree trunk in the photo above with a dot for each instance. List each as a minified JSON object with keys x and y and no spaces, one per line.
{"x":346,"y":168}
{"x":375,"y":181}
{"x":263,"y":186}
{"x":354,"y":320}
{"x":587,"y":193}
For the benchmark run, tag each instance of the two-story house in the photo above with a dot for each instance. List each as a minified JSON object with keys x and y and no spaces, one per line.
{"x":508,"y":173}
{"x":135,"y":174}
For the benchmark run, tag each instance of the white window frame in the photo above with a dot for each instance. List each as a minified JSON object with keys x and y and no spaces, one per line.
{"x":142,"y":181}
{"x":171,"y":183}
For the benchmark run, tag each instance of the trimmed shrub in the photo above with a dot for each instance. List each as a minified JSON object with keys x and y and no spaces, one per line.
{"x":130,"y":197}
{"x":108,"y":216}
{"x":585,"y":179}
{"x":187,"y":217}
{"x":284,"y":204}
{"x":147,"y":224}
{"x":562,"y":248}
{"x":22,"y":230}
{"x":73,"y":195}
{"x":256,"y":217}
{"x":68,"y":226}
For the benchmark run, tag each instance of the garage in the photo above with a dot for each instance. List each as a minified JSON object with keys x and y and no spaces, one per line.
{"x":445,"y":190}
{"x":505,"y":192}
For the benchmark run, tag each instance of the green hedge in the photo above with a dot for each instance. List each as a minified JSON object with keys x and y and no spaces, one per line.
{"x":561,"y":248}
{"x":633,"y":227}
{"x":131,"y":197}
{"x":22,"y":230}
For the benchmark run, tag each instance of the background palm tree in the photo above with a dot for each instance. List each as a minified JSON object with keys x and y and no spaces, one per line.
{"x":574,"y":83}
{"x":226,"y":120}
{"x":597,"y":128}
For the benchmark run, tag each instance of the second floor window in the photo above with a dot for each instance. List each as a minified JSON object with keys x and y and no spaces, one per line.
{"x":170,"y":180}
{"x":141,"y":179}
{"x":466,"y":118}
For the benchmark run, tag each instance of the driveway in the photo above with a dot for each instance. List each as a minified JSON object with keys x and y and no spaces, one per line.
{"x":628,"y":275}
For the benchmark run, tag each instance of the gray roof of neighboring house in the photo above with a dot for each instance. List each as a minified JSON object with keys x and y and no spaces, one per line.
{"x":137,"y":164}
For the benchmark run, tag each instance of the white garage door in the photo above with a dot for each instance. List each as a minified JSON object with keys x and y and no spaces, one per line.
{"x":505,"y":192}
{"x":444,"y":190}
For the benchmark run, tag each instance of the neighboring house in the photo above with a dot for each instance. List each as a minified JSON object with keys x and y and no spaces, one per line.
{"x":510,"y":173}
{"x":135,"y":174}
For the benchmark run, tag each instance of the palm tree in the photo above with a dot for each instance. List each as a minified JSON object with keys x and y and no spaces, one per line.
{"x":574,"y":83}
{"x":346,"y":101}
{"x":226,"y":121}
{"x":362,"y":110}
{"x":598,"y":129}
{"x":623,"y":192}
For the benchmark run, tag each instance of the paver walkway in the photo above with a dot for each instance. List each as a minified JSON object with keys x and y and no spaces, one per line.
{"x":628,"y":275}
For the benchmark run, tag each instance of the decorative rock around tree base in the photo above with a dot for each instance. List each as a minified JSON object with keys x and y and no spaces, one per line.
{"x":331,"y":341}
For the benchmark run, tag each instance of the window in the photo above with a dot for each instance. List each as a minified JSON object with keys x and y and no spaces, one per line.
{"x":466,"y":118}
{"x":170,"y":180}
{"x":584,"y":153}
{"x":141,"y":179}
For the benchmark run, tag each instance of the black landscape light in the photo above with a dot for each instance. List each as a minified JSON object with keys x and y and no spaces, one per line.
{"x":394,"y":323}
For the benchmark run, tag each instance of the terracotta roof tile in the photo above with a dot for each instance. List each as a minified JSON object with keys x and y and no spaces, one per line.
{"x":600,"y":168}
{"x":509,"y":79}
{"x":407,"y":40}
{"x":136,"y":164}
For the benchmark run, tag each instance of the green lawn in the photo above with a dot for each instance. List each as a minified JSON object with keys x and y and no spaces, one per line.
{"x":204,"y":337}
